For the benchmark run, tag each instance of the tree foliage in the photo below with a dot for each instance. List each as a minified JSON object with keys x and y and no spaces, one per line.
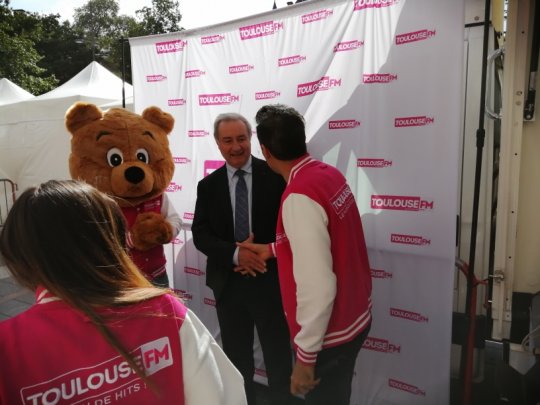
{"x":40,"y":52}
{"x":164,"y":16}
{"x":63,"y":51}
{"x":19,"y":60}
{"x":96,"y":22}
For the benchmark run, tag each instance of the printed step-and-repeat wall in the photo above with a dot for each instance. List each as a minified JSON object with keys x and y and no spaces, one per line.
{"x":379,"y":83}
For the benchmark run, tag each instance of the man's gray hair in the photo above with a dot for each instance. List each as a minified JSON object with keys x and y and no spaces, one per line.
{"x":225,"y":117}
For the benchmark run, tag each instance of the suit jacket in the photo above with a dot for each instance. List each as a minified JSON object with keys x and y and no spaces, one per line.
{"x":213,"y":224}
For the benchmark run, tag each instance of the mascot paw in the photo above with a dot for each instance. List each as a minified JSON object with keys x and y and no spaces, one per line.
{"x":150,"y":229}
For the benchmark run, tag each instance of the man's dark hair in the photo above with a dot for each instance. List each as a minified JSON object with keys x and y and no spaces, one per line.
{"x":281,"y":130}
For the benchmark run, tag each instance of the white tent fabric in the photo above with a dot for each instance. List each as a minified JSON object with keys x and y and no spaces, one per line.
{"x":11,"y":93}
{"x":94,"y":84}
{"x":118,"y":104}
{"x":94,"y":81}
{"x":34,"y":143}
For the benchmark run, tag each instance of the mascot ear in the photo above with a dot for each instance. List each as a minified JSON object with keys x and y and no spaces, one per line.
{"x":160,"y":118}
{"x":81,"y":114}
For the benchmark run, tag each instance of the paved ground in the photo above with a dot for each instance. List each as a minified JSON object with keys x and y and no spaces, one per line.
{"x":13,"y":298}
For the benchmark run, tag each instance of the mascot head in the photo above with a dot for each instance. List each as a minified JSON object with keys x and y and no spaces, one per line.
{"x":123,"y":154}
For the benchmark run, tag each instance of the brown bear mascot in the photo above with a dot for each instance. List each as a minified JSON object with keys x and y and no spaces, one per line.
{"x":127,"y":156}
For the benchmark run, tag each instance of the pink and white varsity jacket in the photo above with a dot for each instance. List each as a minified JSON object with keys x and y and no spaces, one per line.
{"x":324,"y":271}
{"x":53,"y":354}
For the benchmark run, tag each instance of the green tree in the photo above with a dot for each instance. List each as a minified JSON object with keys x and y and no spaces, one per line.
{"x":164,"y":16}
{"x":96,"y":22}
{"x":19,"y":60}
{"x":38,"y":52}
{"x":119,"y":51}
{"x":64,"y":53}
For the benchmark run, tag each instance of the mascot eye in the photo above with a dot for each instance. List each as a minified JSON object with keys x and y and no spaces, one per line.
{"x":115,"y":157}
{"x":142,"y":155}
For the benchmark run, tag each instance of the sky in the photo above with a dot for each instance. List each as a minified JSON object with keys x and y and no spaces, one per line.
{"x":195,"y":13}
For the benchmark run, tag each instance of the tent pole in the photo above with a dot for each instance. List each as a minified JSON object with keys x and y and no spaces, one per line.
{"x":122,"y":40}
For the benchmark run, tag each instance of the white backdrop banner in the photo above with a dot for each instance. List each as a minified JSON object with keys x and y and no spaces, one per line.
{"x":379,"y":83}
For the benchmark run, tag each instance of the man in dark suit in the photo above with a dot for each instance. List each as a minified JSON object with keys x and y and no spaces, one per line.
{"x":246,"y":288}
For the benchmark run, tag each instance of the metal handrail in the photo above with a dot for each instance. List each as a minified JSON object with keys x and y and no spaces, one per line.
{"x":7,"y":198}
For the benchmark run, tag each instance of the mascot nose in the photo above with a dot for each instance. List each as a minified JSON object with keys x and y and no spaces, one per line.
{"x":134,"y":174}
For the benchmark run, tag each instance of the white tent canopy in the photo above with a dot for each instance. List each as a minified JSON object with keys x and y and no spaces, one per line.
{"x":11,"y":93}
{"x":94,"y":84}
{"x":94,"y":81}
{"x":34,"y":143}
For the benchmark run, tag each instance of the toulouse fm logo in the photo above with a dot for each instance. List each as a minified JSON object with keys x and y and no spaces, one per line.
{"x":185,"y":295}
{"x":173,"y":187}
{"x":265,"y":95}
{"x":113,"y":377}
{"x":181,"y":160}
{"x":290,"y":60}
{"x":316,"y":16}
{"x":194,"y":73}
{"x":197,"y":133}
{"x":155,"y":78}
{"x":380,"y":345}
{"x":414,"y":36}
{"x":400,"y":385}
{"x":174,"y":102}
{"x":212,"y":39}
{"x":343,"y":124}
{"x":152,"y":205}
{"x":418,"y":121}
{"x":342,"y":200}
{"x":363,"y":4}
{"x":189,"y":216}
{"x":324,"y":83}
{"x":240,"y":69}
{"x":409,"y":239}
{"x":259,"y":30}
{"x":348,"y":46}
{"x":376,"y":273}
{"x":194,"y":271}
{"x":401,"y":203}
{"x":209,"y":301}
{"x":375,"y":163}
{"x":170,"y":46}
{"x":378,"y":78}
{"x":411,"y":316}
{"x":218,"y":99}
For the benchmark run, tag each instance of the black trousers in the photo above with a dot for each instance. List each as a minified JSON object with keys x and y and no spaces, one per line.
{"x":249,"y":302}
{"x":335,"y":368}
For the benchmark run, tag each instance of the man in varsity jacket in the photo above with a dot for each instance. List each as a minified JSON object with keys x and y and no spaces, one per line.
{"x":324,"y":272}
